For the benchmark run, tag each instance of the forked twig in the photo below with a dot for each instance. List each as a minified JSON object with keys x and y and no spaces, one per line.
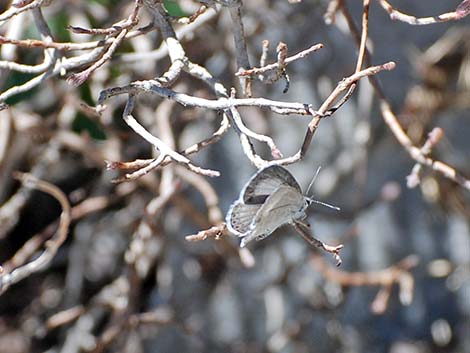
{"x":386,"y":278}
{"x":158,"y":144}
{"x":260,"y":70}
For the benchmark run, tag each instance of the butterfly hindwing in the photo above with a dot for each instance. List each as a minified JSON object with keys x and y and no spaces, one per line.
{"x":265,"y":182}
{"x":240,"y":217}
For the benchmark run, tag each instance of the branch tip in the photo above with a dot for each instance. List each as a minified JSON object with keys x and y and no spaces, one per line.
{"x":78,"y":79}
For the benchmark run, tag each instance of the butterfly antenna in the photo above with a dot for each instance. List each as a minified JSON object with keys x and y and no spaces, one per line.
{"x":312,"y":200}
{"x":313,"y":180}
{"x":325,"y":204}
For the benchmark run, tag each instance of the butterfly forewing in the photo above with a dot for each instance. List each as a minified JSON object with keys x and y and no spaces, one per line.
{"x":240,"y":217}
{"x":265,"y":182}
{"x":281,"y":207}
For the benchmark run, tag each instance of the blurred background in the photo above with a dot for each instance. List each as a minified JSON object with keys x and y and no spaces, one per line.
{"x":127,"y":280}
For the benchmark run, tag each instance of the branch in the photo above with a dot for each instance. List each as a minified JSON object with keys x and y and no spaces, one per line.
{"x":51,"y":246}
{"x":460,"y":12}
{"x":303,"y":228}
{"x":392,"y":122}
{"x":386,"y":278}
{"x":158,"y":144}
{"x":260,"y":70}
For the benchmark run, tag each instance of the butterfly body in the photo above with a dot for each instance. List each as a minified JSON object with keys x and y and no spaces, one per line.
{"x":270,"y":199}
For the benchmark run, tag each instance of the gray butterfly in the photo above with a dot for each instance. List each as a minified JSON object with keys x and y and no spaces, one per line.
{"x":270,"y":199}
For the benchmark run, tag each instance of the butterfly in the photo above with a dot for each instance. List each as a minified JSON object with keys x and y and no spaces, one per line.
{"x":270,"y":199}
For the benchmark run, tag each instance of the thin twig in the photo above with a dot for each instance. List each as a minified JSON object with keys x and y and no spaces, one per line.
{"x":13,"y":11}
{"x":433,"y":139}
{"x":386,"y":278}
{"x":214,"y":232}
{"x":241,"y":53}
{"x":415,"y":152}
{"x":460,"y":12}
{"x":392,"y":121}
{"x":78,"y":78}
{"x":264,"y":68}
{"x":51,"y":246}
{"x":330,"y":14}
{"x":158,"y":144}
{"x":303,"y":228}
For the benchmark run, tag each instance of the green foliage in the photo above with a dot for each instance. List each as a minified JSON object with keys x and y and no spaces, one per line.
{"x":85,"y":94}
{"x":173,"y":8}
{"x":58,"y":24}
{"x":17,"y":78}
{"x":83,"y":123}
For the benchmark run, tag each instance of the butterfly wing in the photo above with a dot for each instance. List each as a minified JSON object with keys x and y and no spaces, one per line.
{"x":240,"y":216}
{"x":281,"y":207}
{"x":266,"y":182}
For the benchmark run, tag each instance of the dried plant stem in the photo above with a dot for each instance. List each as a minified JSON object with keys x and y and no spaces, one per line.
{"x":303,"y":229}
{"x":386,"y":278}
{"x":158,"y":144}
{"x":392,"y":121}
{"x":264,"y":68}
{"x":17,"y":274}
{"x":462,"y":11}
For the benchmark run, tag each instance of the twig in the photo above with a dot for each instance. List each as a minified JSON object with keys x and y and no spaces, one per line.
{"x":225,"y":103}
{"x":330,"y":14}
{"x":415,"y":152}
{"x":10,"y":210}
{"x":79,"y":78}
{"x":364,"y":35}
{"x":115,"y":28}
{"x":69,"y":46}
{"x":64,"y":317}
{"x":145,"y":166}
{"x":229,"y":104}
{"x":460,"y":12}
{"x":86,"y":207}
{"x":143,"y":250}
{"x":260,"y":70}
{"x":181,"y":33}
{"x":342,"y":86}
{"x":187,"y":20}
{"x":13,"y":11}
{"x":303,"y":228}
{"x":51,"y":246}
{"x":207,"y":191}
{"x":264,"y":53}
{"x":433,"y":139}
{"x":234,"y":117}
{"x":58,"y":67}
{"x":386,"y":278}
{"x":5,"y":132}
{"x":158,"y":144}
{"x":394,"y":125}
{"x":241,"y":52}
{"x":213,"y":232}
{"x":237,"y":123}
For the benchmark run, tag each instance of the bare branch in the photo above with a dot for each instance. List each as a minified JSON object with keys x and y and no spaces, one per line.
{"x":460,"y":12}
{"x":264,"y":68}
{"x":51,"y":246}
